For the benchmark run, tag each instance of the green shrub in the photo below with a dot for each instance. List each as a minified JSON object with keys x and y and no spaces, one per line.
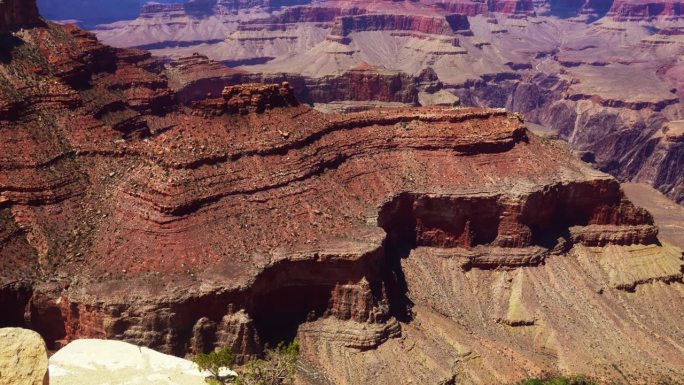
{"x":574,"y":380}
{"x":213,"y":363}
{"x":276,"y":368}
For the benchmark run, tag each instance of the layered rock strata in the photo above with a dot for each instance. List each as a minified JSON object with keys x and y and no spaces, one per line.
{"x":377,"y":236}
{"x":603,"y":75}
{"x":249,"y":97}
{"x":645,"y":10}
{"x":196,"y":78}
{"x":435,"y":26}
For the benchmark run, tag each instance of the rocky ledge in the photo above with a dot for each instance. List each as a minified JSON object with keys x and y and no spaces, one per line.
{"x":439,"y":25}
{"x":644,"y":10}
{"x":244,"y":98}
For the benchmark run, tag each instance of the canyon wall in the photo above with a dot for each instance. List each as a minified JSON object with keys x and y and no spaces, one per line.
{"x":645,"y":10}
{"x":628,"y":140}
{"x":134,"y":208}
{"x":437,"y":26}
{"x":600,"y":74}
{"x":196,"y":77}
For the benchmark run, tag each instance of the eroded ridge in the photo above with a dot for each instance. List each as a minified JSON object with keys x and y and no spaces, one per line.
{"x":128,"y":215}
{"x":508,"y":231}
{"x":244,"y":98}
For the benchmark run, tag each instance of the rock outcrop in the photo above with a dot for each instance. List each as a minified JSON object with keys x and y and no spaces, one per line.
{"x":196,"y":78}
{"x":245,"y":98}
{"x":645,"y":10}
{"x":378,"y":236}
{"x":23,"y":358}
{"x":448,"y":25}
{"x":512,"y":8}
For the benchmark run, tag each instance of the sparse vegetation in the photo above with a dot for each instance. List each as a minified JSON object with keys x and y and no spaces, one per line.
{"x":561,"y":380}
{"x":277,"y":367}
{"x":214,"y":362}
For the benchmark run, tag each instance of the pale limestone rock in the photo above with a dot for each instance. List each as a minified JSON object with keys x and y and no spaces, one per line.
{"x":100,"y":362}
{"x":23,"y":358}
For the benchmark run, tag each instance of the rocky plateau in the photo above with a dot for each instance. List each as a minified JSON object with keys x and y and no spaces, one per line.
{"x":438,"y":245}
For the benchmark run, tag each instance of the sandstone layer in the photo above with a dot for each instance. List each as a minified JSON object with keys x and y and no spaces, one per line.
{"x":432,"y":244}
{"x":645,"y":10}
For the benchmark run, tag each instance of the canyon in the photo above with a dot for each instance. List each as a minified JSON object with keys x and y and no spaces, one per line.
{"x":184,"y":206}
{"x":606,"y":76}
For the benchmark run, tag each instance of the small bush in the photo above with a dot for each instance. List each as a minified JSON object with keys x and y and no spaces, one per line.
{"x":276,"y":368}
{"x":213,"y":363}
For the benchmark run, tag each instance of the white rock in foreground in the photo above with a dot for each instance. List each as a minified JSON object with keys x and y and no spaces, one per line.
{"x":23,"y":357}
{"x":106,"y":362}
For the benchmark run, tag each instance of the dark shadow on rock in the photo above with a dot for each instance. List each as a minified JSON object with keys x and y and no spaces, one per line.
{"x":7,"y":45}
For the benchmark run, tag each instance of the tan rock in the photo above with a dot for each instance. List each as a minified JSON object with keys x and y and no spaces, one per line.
{"x":23,"y":358}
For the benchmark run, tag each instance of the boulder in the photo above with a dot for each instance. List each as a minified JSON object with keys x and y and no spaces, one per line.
{"x":23,"y":358}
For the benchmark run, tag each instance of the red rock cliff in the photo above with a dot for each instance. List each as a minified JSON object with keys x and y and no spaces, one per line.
{"x":513,"y":8}
{"x":396,"y":22}
{"x":645,"y":10}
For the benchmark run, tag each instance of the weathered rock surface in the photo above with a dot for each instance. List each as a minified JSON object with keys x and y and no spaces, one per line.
{"x":645,"y":10}
{"x":246,"y":98}
{"x":447,"y":25}
{"x":450,"y":234}
{"x":23,"y":358}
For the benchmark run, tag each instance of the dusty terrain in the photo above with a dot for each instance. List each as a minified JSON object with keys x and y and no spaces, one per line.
{"x":606,"y":75}
{"x":425,"y":245}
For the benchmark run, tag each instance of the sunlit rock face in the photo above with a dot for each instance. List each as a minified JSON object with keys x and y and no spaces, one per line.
{"x":244,"y":217}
